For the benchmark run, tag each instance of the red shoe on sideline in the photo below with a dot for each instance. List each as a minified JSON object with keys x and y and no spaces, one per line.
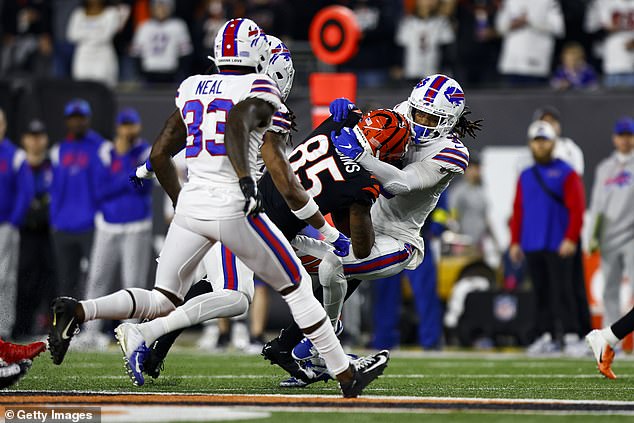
{"x":12,"y":353}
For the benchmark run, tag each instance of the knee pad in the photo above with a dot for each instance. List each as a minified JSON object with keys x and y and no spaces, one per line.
{"x":149,"y":304}
{"x":331,"y":271}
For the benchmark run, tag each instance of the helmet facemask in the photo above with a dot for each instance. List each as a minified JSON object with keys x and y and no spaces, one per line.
{"x":434,"y":125}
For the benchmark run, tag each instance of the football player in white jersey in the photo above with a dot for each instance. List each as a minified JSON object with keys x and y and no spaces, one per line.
{"x":436,"y":112}
{"x":220,"y":202}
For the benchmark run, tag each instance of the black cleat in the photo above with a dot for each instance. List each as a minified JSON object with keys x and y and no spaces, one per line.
{"x":63,"y":327}
{"x":153,"y":363}
{"x":365,"y":370}
{"x":272,"y":352}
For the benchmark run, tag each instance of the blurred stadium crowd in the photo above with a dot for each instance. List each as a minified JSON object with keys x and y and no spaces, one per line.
{"x":564,"y":44}
{"x":569,"y":44}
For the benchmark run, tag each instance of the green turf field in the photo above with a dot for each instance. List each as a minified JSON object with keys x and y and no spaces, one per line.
{"x":466,"y":375}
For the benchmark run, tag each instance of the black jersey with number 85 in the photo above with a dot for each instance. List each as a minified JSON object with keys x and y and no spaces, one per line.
{"x":333,"y":180}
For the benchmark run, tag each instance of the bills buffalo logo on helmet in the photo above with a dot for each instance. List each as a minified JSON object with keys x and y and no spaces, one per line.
{"x":454,"y":95}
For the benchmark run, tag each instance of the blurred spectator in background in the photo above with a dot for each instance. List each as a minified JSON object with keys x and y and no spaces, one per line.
{"x":616,"y":19}
{"x":568,"y":151}
{"x":528,"y":29}
{"x":16,"y":188}
{"x":123,"y":238}
{"x":565,"y":148}
{"x":377,"y":50}
{"x":92,"y":28}
{"x":204,"y":31}
{"x":612,"y":217}
{"x":74,"y":195}
{"x":478,"y":43}
{"x":36,"y":270}
{"x":162,"y":44}
{"x":26,"y":37}
{"x":468,"y":204}
{"x":273,"y":16}
{"x":546,"y":224}
{"x":422,"y":35}
{"x":574,"y":72}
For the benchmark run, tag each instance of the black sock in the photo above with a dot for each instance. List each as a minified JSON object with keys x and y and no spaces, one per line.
{"x":622,"y":327}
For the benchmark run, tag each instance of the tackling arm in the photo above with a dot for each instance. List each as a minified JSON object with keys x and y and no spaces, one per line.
{"x":169,"y":142}
{"x":415,"y":176}
{"x":361,"y":230}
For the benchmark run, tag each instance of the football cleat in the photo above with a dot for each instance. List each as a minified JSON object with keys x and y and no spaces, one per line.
{"x":63,"y":327}
{"x":283,"y":358}
{"x":12,"y":373}
{"x":153,"y":362}
{"x":305,"y":350}
{"x":603,"y":353}
{"x":365,"y":370}
{"x":134,"y":351}
{"x":12,"y":353}
{"x":316,"y":371}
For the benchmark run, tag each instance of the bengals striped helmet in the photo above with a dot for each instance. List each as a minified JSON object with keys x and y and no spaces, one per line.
{"x":384,"y":133}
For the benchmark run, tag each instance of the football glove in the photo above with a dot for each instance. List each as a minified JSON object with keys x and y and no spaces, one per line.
{"x":339,"y":109}
{"x":347,"y":143}
{"x":253,"y":198}
{"x":342,"y":245}
{"x":142,"y":172}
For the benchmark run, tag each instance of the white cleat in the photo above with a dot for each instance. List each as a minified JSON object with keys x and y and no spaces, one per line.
{"x":603,"y":353}
{"x":134,"y":351}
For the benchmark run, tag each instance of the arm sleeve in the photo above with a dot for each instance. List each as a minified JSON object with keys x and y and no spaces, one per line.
{"x":597,"y":200}
{"x":281,"y":121}
{"x":25,"y":190}
{"x":264,"y":88}
{"x":516,"y":219}
{"x":574,"y":199}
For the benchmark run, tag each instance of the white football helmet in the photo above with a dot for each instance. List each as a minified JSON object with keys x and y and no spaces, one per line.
{"x":440,"y":96}
{"x":280,"y":67}
{"x":241,"y":42}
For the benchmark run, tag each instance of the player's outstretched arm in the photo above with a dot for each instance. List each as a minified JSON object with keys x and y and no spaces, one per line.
{"x":361,"y":230}
{"x":169,"y":142}
{"x":298,"y":200}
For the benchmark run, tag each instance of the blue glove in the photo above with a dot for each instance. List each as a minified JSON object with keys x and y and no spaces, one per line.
{"x":347,"y":143}
{"x":136,"y":181}
{"x":342,"y":245}
{"x":339,"y":109}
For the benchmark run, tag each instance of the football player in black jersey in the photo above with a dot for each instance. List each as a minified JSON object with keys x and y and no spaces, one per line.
{"x":337,"y":184}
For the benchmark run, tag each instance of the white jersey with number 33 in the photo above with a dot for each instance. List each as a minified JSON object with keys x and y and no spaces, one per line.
{"x":204,"y":101}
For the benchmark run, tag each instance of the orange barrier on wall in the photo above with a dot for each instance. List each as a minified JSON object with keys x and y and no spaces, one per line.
{"x":326,"y":87}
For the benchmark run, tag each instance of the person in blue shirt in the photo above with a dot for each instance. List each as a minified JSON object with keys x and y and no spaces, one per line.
{"x":545,"y":228}
{"x":36,"y":269}
{"x":74,"y":194}
{"x":16,"y":188}
{"x":123,"y":236}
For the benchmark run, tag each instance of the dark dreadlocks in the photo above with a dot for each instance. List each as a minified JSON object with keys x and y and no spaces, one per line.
{"x":468,"y":127}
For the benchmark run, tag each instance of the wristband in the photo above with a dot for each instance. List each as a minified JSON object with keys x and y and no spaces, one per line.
{"x":307,"y":211}
{"x":143,"y":173}
{"x":331,"y":234}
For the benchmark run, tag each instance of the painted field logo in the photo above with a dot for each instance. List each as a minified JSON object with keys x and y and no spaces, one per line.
{"x":505,"y":307}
